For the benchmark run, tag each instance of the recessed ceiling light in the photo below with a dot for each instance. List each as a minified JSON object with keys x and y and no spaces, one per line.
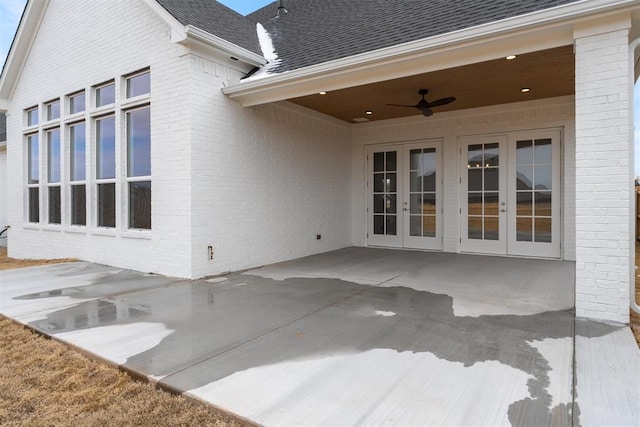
{"x":525,"y":90}
{"x":368,"y":113}
{"x":322,"y":93}
{"x":510,"y":57}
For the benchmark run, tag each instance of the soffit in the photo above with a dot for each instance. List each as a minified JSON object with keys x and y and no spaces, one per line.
{"x":548,"y":73}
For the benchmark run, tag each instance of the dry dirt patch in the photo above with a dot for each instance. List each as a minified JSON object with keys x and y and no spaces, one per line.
{"x":45,"y":383}
{"x":7,"y":263}
{"x":635,"y":318}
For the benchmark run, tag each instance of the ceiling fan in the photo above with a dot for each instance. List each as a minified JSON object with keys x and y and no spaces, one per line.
{"x":424,"y":106}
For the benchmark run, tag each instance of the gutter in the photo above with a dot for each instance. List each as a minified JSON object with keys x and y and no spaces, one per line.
{"x":235,"y":50}
{"x":398,"y":53}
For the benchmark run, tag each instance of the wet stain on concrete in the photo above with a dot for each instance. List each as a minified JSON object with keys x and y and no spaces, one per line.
{"x":298,"y":318}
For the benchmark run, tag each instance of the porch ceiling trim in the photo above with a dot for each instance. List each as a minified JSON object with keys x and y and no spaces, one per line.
{"x":527,"y":33}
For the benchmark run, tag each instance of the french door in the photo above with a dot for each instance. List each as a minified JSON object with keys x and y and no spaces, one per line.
{"x":404,"y":195}
{"x":510,"y":187}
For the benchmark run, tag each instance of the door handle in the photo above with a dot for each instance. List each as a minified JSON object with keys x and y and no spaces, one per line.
{"x":503,"y":210}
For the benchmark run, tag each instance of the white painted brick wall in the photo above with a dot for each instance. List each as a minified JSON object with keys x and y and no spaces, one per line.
{"x":267,"y":179}
{"x":541,"y":114}
{"x":80,"y":45}
{"x":602,"y":176}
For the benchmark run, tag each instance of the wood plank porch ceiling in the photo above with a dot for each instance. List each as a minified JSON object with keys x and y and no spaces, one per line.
{"x":547,"y":73}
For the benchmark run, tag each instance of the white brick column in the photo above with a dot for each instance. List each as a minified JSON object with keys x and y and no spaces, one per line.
{"x":603,"y":175}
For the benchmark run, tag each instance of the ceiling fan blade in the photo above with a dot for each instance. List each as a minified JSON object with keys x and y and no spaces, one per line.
{"x":442,"y":101}
{"x":400,"y":105}
{"x":427,"y":112}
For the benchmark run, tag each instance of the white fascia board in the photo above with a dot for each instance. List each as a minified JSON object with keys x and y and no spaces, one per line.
{"x":181,"y":33}
{"x":4,"y":105}
{"x":552,"y":28}
{"x":25,"y":35}
{"x":220,"y":43}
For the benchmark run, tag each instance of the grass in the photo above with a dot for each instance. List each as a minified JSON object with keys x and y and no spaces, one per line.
{"x":635,"y":318}
{"x":46,"y":383}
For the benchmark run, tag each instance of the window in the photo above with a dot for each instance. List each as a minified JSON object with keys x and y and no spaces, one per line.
{"x":138,"y":84}
{"x":53,"y":110}
{"x":105,"y":94}
{"x":139,"y":167}
{"x":53,"y":176}
{"x":78,"y":173}
{"x":106,"y":171}
{"x":33,"y":178}
{"x":76,"y":103}
{"x":32,"y":116}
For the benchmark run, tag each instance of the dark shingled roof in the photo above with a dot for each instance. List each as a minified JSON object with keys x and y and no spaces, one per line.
{"x":217,"y":19}
{"x":316,"y":31}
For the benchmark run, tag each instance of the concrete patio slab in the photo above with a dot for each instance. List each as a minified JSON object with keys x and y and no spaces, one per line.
{"x":357,"y":336}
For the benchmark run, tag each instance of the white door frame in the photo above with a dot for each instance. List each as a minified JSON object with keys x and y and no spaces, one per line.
{"x":508,"y":243}
{"x":403,"y":239}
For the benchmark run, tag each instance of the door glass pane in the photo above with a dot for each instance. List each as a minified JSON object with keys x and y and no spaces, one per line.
{"x":429,"y":226}
{"x":524,"y":177}
{"x":391,"y":221}
{"x":390,"y":204}
{"x":491,"y":231}
{"x":543,"y":203}
{"x":524,"y":153}
{"x":491,"y":179}
{"x":391,"y":158}
{"x":429,"y":203}
{"x":475,"y":227}
{"x":378,"y":162}
{"x":378,"y":182}
{"x":415,"y":204}
{"x":474,"y":158}
{"x":491,"y":157}
{"x":475,"y":179}
{"x":415,"y":160}
{"x":543,"y":230}
{"x":524,"y":206}
{"x":415,"y":182}
{"x":524,"y":232}
{"x":543,"y":151}
{"x":378,"y":203}
{"x":390,"y":183}
{"x":474,"y":201}
{"x":491,"y":204}
{"x":415,"y":225}
{"x":378,"y":224}
{"x":543,"y":177}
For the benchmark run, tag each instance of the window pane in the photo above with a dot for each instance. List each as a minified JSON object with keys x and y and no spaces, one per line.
{"x":78,"y":205}
{"x":391,"y":225}
{"x":378,"y":203}
{"x":391,"y":157}
{"x":378,"y":224}
{"x":53,"y":155}
{"x":140,"y":205}
{"x":543,"y":152}
{"x":105,"y":95}
{"x":543,"y":203}
{"x":524,"y":153}
{"x":139,"y":142}
{"x":491,"y":228}
{"x":78,"y":150}
{"x":474,"y":227}
{"x":33,"y":154}
{"x":34,"y":205}
{"x":138,"y":85}
{"x":53,"y":110}
{"x":524,"y":232}
{"x":378,"y":162}
{"x":429,"y":226}
{"x":543,"y":178}
{"x":543,"y":230}
{"x":106,"y":205}
{"x":76,"y":103}
{"x":106,"y":148}
{"x":54,"y":205}
{"x":415,"y":225}
{"x":32,"y":117}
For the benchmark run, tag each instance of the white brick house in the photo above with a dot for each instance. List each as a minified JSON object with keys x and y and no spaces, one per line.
{"x":181,"y":138}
